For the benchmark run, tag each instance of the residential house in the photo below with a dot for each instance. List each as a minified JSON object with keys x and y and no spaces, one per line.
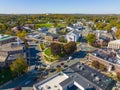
{"x":73,"y":36}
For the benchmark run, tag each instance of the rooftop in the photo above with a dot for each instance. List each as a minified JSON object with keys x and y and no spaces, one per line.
{"x":78,"y":74}
{"x":107,"y":55}
{"x":53,"y":83}
{"x":5,"y":37}
{"x":11,"y":47}
{"x":88,"y":77}
{"x":115,"y":42}
{"x":3,"y":56}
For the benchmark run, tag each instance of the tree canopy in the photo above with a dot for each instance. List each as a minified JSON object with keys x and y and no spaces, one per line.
{"x":91,"y":38}
{"x":56,"y":48}
{"x":19,"y":66}
{"x":70,"y":47}
{"x":118,"y":34}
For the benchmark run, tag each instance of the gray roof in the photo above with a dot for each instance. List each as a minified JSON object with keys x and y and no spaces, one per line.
{"x":66,"y":81}
{"x":88,"y":77}
{"x":76,"y":32}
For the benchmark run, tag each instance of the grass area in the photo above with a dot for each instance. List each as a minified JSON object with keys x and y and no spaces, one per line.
{"x":49,"y":25}
{"x":61,"y":25}
{"x":5,"y":76}
{"x":48,"y":51}
{"x":45,"y":25}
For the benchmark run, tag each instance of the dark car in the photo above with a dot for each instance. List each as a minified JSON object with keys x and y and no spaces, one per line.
{"x":62,"y":64}
{"x":58,"y":66}
{"x":52,"y":70}
{"x":65,"y":66}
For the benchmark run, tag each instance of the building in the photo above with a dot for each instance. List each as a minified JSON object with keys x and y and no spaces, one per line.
{"x":10,"y":48}
{"x":108,"y":57}
{"x":53,"y":30}
{"x":78,"y":75}
{"x":51,"y":37}
{"x":114,"y":44}
{"x":6,"y":39}
{"x":73,"y":36}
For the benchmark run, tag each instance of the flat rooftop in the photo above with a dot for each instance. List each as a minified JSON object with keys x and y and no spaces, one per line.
{"x":107,"y":55}
{"x":115,"y":42}
{"x":88,"y":77}
{"x":5,"y":37}
{"x":52,"y":83}
{"x":11,"y":47}
{"x":3,"y":56}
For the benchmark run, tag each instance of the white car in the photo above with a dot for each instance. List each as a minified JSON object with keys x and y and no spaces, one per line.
{"x":70,"y":57}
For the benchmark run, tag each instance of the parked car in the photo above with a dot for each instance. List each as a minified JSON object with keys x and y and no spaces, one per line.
{"x":65,"y":66}
{"x":62,"y":64}
{"x":70,"y":57}
{"x":58,"y":66}
{"x":52,"y":70}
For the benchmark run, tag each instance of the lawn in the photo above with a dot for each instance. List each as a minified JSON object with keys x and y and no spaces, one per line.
{"x":49,"y":25}
{"x":45,"y":25}
{"x":48,"y":51}
{"x":5,"y":76}
{"x":61,"y":25}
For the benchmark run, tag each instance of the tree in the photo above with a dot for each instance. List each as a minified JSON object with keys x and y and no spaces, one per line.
{"x":102,"y":67}
{"x":55,"y":48}
{"x":108,"y":27}
{"x":98,"y":65}
{"x":19,"y":66}
{"x":118,"y":75}
{"x":62,"y":39}
{"x":95,"y":64}
{"x":91,"y":38}
{"x":70,"y":47}
{"x":22,"y":34}
{"x":117,"y":34}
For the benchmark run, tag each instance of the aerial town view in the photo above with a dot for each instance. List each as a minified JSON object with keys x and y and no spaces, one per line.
{"x":59,"y":44}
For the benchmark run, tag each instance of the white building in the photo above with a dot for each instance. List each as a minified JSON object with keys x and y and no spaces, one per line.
{"x":73,"y":36}
{"x":114,"y":44}
{"x":54,"y":83}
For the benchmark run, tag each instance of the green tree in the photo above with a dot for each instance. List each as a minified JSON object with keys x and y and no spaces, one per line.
{"x":118,"y":75}
{"x":18,"y":66}
{"x":62,"y":39}
{"x":70,"y":47}
{"x":91,"y":38}
{"x":117,"y":34}
{"x":55,"y":48}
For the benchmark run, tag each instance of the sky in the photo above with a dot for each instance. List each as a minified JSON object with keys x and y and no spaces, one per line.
{"x":60,"y":6}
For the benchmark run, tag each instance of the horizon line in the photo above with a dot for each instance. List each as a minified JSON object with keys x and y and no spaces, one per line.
{"x":61,"y":13}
